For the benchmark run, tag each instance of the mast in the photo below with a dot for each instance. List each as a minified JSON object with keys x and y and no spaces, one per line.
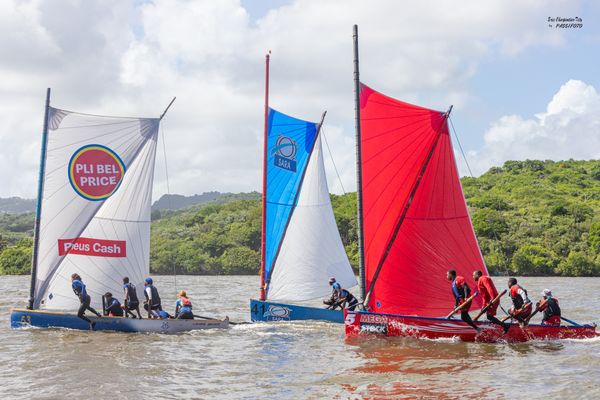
{"x":359,"y":202}
{"x":38,"y":209}
{"x":263,"y":246}
{"x":413,"y":191}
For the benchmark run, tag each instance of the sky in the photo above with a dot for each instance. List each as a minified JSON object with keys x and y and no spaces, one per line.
{"x":520,"y":88}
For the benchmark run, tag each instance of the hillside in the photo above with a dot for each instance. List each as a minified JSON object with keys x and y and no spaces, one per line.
{"x":531,"y":218}
{"x":16,"y":205}
{"x":177,"y":201}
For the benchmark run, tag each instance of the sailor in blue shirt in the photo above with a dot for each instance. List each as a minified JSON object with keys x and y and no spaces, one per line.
{"x":131,"y":301}
{"x":183,"y":307}
{"x":113,"y":306}
{"x":340,"y":297}
{"x":84,"y":298}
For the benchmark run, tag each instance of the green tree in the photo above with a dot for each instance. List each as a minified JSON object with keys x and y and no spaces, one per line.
{"x":240,"y":260}
{"x":15,"y":260}
{"x":578,"y":264}
{"x":594,"y":237}
{"x":532,"y":259}
{"x":489,"y":223}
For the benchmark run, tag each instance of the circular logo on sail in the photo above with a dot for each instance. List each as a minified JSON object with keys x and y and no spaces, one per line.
{"x":95,"y":172}
{"x":286,"y":147}
{"x":285,"y":153}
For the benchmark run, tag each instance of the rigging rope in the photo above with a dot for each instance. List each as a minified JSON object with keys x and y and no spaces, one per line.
{"x":162,"y":132}
{"x":460,"y":147}
{"x":332,"y":161}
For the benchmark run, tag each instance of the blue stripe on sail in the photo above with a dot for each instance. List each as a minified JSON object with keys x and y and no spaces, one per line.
{"x":289,"y":144}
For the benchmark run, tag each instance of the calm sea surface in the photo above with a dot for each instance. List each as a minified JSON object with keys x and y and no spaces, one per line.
{"x":291,"y":360}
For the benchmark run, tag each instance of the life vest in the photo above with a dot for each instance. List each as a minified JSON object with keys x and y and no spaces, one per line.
{"x":185,"y":304}
{"x":114,"y":308}
{"x":551,"y":309}
{"x":458,"y":295}
{"x":131,"y":293}
{"x":155,"y":297}
{"x":517,"y":297}
{"x":349,"y":297}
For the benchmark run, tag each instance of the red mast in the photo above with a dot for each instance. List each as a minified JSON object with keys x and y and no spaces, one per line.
{"x":264,"y":186}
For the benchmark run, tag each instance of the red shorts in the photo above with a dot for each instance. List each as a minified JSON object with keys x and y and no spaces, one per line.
{"x":553,"y":320}
{"x":492,"y":310}
{"x":523,"y":313}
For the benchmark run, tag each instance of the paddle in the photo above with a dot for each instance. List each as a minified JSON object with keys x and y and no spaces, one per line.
{"x":537,"y":310}
{"x":491,"y":303}
{"x":461,"y":306}
{"x":231,"y":323}
{"x":570,"y":322}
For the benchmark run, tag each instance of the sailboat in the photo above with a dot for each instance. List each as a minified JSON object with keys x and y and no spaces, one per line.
{"x":301,"y":245}
{"x":93,"y":218}
{"x":414,"y":226}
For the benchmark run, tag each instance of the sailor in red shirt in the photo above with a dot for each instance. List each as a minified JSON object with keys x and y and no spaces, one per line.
{"x":488,"y":292}
{"x":461,"y":292}
{"x":521,"y":308}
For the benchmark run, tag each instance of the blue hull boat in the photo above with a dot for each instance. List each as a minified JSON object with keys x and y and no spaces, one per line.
{"x":265,"y":311}
{"x":51,"y":319}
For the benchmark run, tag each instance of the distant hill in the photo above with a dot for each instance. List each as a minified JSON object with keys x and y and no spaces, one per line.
{"x":16,"y":205}
{"x":177,"y":201}
{"x":531,"y":218}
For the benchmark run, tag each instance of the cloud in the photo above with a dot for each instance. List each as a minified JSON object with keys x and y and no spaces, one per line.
{"x":569,"y":128}
{"x":130,"y":58}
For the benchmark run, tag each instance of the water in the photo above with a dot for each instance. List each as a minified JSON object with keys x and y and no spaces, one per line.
{"x":291,"y":360}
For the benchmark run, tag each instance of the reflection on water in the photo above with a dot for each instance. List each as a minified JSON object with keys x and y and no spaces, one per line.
{"x":290,"y":360}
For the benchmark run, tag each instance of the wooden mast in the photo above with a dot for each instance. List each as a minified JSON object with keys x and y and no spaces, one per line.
{"x":360,"y":232}
{"x":38,"y":209}
{"x":264,"y":185}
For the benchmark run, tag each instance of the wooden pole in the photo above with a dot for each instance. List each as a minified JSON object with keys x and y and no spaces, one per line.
{"x":491,"y":303}
{"x":167,"y":109}
{"x":38,"y":209}
{"x":263,"y":237}
{"x":359,"y":197}
{"x":463,"y":305}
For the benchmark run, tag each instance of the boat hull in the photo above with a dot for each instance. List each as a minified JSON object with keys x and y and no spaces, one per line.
{"x":50,"y":319}
{"x":265,"y":311}
{"x":365,"y":323}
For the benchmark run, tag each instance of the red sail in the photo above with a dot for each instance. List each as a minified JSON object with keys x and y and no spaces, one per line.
{"x":400,"y":143}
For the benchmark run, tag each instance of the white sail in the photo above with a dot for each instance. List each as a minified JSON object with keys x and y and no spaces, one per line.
{"x":312,"y":250}
{"x":96,"y":202}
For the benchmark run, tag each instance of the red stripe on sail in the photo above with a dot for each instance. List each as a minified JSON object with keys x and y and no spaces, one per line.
{"x":436,"y":234}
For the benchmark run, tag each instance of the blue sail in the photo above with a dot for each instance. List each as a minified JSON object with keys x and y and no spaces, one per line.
{"x":290,"y":142}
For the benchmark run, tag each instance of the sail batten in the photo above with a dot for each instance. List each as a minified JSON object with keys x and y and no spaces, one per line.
{"x":416,"y":222}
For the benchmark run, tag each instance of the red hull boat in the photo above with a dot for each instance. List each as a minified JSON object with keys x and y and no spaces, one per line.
{"x":414,"y":225}
{"x":365,"y":323}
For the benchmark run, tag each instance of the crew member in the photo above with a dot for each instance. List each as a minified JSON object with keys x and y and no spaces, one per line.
{"x":549,"y":305}
{"x":488,"y":292}
{"x":183,"y":306}
{"x":84,"y":299}
{"x":152,"y":299}
{"x":521,"y":308}
{"x":340,"y":297}
{"x":461,"y":292}
{"x":131,"y":299}
{"x":113,"y":307}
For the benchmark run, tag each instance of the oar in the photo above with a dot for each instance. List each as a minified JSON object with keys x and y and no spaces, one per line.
{"x":491,"y":303}
{"x":537,"y":310}
{"x":461,"y":306}
{"x":232,"y":323}
{"x":570,"y":322}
